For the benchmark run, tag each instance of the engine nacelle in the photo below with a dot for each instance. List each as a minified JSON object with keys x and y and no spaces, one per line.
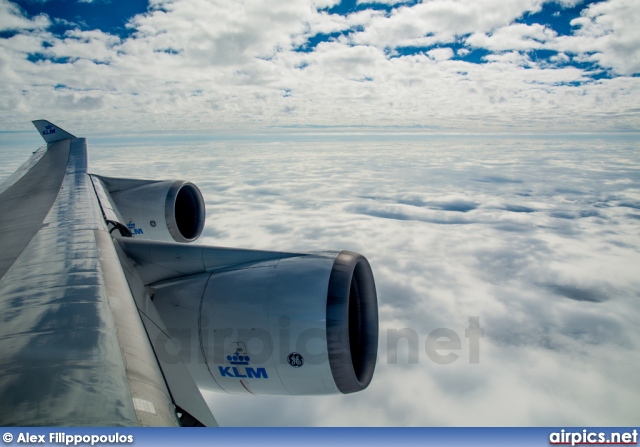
{"x":157,"y":210}
{"x":299,"y":325}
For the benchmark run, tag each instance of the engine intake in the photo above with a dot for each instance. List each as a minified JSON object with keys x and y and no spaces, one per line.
{"x":352,"y":321}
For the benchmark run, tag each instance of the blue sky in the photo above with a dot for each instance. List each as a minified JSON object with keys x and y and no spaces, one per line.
{"x":438,"y":65}
{"x":110,"y":17}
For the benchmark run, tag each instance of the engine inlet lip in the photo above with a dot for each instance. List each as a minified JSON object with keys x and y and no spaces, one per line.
{"x":170,"y":211}
{"x":351,"y":300}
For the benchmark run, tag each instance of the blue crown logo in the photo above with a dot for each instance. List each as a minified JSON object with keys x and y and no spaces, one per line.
{"x":238,"y":359}
{"x":48,"y":130}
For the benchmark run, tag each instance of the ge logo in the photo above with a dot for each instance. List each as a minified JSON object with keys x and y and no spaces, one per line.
{"x":152,"y":223}
{"x":295,"y":360}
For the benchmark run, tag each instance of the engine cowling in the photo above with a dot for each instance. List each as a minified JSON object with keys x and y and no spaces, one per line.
{"x":158,"y":210}
{"x":300,"y":325}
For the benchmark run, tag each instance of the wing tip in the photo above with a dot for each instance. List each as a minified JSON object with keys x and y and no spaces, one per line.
{"x":50,"y":132}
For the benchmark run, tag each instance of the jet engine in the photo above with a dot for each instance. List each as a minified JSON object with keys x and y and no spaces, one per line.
{"x":286,"y":324}
{"x":155,"y":210}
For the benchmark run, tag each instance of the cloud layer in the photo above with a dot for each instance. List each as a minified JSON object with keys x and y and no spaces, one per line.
{"x":440,"y":65}
{"x":535,"y":236}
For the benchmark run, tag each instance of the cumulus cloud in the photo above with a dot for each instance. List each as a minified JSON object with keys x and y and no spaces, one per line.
{"x":92,"y":45}
{"x":325,"y":3}
{"x":382,"y":2}
{"x":513,"y":37}
{"x":606,"y":34}
{"x":221,"y":33}
{"x":440,"y":54}
{"x":13,"y":19}
{"x":441,"y":21}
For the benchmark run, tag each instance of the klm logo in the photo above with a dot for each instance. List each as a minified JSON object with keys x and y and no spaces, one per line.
{"x":49,"y":130}
{"x":241,"y":368}
{"x":132,"y":227}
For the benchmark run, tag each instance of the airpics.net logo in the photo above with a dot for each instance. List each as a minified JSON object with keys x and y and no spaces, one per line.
{"x":592,"y":437}
{"x":61,"y":438}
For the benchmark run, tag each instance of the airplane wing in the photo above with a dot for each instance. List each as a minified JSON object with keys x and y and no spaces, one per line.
{"x":110,"y":317}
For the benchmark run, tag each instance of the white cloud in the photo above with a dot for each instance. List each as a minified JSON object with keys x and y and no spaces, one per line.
{"x":325,"y":3}
{"x":568,"y":3}
{"x":560,"y":57}
{"x":88,"y":45}
{"x":221,"y":33}
{"x":441,"y":21}
{"x":440,"y":54}
{"x":519,"y":36}
{"x":380,"y":2}
{"x":607,"y":31}
{"x":12,"y":18}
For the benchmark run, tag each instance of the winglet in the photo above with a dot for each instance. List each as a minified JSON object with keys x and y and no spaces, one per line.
{"x":51,"y":132}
